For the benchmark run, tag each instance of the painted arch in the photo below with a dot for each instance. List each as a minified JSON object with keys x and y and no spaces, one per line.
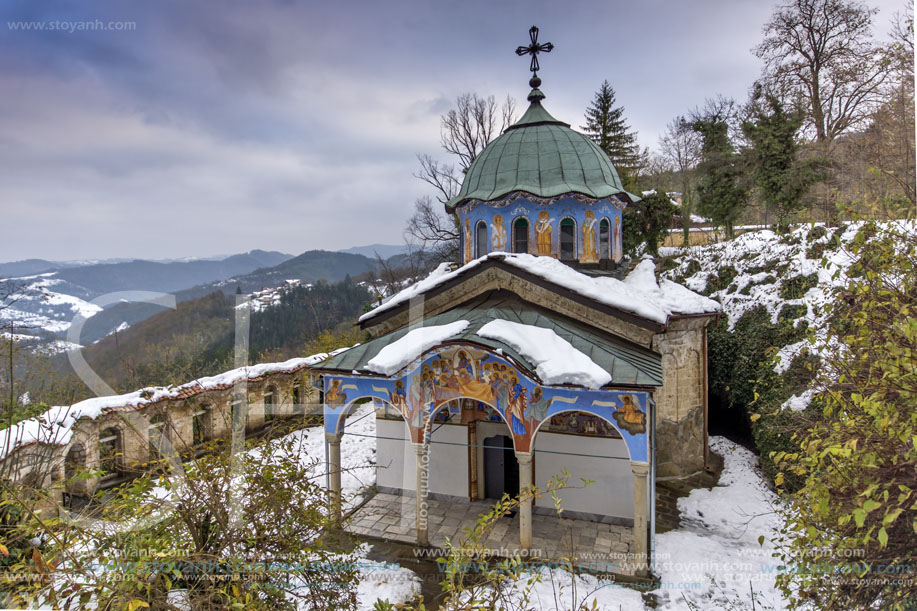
{"x":461,"y":371}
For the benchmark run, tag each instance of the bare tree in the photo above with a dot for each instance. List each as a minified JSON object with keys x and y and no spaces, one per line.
{"x":464,"y":132}
{"x":434,"y":231}
{"x":897,"y":115}
{"x":822,"y":53}
{"x":472,"y":124}
{"x":680,"y":146}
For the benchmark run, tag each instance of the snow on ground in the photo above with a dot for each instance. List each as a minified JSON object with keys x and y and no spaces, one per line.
{"x":713,"y":561}
{"x":384,"y":581}
{"x":358,"y":453}
{"x":379,"y":580}
{"x":556,"y":360}
{"x":34,"y":306}
{"x":559,"y":590}
{"x":714,"y":558}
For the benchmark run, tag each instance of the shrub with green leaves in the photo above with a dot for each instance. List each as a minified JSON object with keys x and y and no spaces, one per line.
{"x":856,"y":462}
{"x":230,"y":530}
{"x":795,"y":287}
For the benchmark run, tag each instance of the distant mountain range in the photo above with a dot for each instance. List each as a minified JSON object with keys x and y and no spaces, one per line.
{"x":53,"y":292}
{"x":383,"y":250}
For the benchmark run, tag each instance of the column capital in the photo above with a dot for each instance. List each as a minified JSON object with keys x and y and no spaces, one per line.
{"x":334,"y":437}
{"x":640,"y":468}
{"x":524,"y":457}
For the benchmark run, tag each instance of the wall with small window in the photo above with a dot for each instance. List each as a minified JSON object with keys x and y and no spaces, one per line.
{"x":123,"y":441}
{"x":570,"y":227}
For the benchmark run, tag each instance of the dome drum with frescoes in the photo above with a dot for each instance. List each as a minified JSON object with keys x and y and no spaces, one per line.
{"x":542,"y":188}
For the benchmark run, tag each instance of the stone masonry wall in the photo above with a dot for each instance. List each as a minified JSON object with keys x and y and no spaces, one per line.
{"x":680,"y":411}
{"x":53,"y":463}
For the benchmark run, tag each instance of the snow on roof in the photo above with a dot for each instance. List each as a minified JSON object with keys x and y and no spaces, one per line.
{"x":671,"y":296}
{"x":642,"y":296}
{"x":414,"y":343}
{"x":556,"y":360}
{"x":55,"y":425}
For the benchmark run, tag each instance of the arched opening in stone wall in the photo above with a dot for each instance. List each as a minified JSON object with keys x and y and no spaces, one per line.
{"x":157,"y":435}
{"x":297,"y":396}
{"x":270,"y":403}
{"x":201,"y":425}
{"x":238,"y":412}
{"x":111,"y":453}
{"x":75,"y":461}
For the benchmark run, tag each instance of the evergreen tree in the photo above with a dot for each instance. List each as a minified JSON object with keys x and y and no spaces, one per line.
{"x":721,"y":189}
{"x":648,"y":221}
{"x":781,"y":176}
{"x":606,"y":126}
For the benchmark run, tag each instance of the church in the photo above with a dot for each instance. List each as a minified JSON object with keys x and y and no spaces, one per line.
{"x":543,"y":351}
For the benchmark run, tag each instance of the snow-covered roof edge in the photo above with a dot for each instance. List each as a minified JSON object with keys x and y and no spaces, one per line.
{"x":54,"y":426}
{"x":639,"y":293}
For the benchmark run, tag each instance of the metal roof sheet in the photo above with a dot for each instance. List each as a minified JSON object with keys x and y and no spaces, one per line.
{"x":627,"y":363}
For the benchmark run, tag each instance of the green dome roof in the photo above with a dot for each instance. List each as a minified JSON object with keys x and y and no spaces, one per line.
{"x":542,"y":156}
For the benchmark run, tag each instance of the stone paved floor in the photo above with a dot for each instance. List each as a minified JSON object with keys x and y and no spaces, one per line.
{"x":601,"y":547}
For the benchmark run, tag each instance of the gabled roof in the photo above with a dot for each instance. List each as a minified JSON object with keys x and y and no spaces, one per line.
{"x":639,"y":297}
{"x":628,"y":364}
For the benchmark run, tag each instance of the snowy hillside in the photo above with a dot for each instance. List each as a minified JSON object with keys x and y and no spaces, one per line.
{"x":793,"y":277}
{"x":41,"y":309}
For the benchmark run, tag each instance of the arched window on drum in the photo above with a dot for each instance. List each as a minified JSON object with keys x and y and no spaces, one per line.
{"x":481,"y":243}
{"x":521,"y":235}
{"x":604,"y":239}
{"x":568,"y":239}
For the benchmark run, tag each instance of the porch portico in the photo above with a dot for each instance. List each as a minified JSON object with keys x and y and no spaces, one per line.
{"x":453,"y":376}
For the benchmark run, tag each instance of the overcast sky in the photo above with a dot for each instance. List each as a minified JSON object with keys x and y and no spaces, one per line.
{"x":219,"y":127}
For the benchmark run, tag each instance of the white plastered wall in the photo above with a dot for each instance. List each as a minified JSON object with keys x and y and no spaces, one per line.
{"x":395,"y":459}
{"x":612,"y":494}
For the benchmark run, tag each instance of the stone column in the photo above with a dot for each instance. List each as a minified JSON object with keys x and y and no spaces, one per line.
{"x":525,"y":499}
{"x":334,"y":476}
{"x":423,"y":479}
{"x":641,"y":516}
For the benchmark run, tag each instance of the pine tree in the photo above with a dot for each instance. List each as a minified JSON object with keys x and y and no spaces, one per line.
{"x":782,"y":177}
{"x":722,"y":192}
{"x":606,"y":126}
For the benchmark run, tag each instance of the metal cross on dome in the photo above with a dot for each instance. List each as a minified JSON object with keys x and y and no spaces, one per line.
{"x":534,"y":49}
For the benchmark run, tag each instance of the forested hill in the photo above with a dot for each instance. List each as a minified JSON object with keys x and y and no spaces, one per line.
{"x":196,"y":338}
{"x":309,"y":267}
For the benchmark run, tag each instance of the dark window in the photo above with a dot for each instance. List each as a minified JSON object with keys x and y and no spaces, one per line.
{"x":110,"y":452}
{"x":200,"y":425}
{"x":75,"y":461}
{"x":269,"y":395}
{"x":238,"y":412}
{"x":604,"y":239}
{"x":297,"y":399}
{"x":521,"y":235}
{"x":480,"y":239}
{"x":157,"y":435}
{"x":567,"y":239}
